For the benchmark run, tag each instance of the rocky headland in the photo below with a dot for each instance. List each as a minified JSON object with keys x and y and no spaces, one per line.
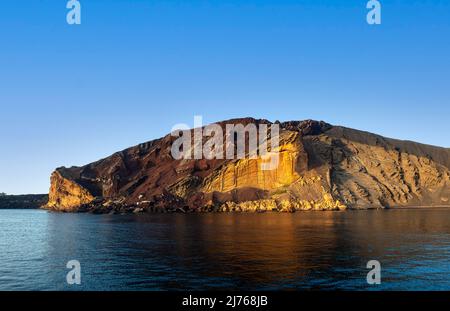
{"x":321,"y":167}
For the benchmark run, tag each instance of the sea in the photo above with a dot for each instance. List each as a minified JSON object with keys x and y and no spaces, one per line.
{"x":271,"y":251}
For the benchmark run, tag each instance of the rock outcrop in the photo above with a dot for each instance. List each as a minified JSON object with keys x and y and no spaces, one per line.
{"x":321,"y":167}
{"x":65,"y":193}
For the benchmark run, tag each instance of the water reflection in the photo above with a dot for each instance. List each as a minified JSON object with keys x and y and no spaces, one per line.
{"x":311,"y":250}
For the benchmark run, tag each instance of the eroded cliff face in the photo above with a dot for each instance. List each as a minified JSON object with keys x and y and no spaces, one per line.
{"x":248,"y":173}
{"x":370,"y":170}
{"x":66,"y":194}
{"x":321,"y":167}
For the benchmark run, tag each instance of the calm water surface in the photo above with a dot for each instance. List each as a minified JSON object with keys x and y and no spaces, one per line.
{"x":309,"y":250}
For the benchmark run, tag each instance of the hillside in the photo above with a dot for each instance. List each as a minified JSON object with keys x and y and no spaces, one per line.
{"x":321,"y":167}
{"x":25,"y":201}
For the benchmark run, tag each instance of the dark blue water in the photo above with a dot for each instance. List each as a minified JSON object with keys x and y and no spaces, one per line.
{"x":310,"y":250}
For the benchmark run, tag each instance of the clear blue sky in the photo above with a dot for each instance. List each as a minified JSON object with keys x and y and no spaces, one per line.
{"x":70,"y":95}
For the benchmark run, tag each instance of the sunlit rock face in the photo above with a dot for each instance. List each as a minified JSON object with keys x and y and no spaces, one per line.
{"x":249,"y":173}
{"x":321,"y":167}
{"x":66,"y":194}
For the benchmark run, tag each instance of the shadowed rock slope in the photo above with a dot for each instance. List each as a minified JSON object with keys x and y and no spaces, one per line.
{"x":322,"y":167}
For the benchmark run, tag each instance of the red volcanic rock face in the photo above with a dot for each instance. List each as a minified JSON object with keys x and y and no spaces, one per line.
{"x":321,"y":167}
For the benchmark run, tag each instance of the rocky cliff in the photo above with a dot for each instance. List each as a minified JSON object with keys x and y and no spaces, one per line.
{"x":321,"y":167}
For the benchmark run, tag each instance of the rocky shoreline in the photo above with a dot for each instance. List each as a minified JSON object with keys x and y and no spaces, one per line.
{"x":177,"y":206}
